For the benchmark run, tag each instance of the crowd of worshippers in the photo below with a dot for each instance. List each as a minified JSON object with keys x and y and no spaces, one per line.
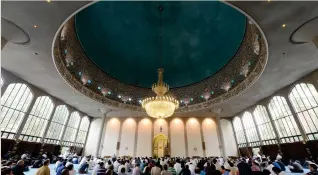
{"x":64,"y":165}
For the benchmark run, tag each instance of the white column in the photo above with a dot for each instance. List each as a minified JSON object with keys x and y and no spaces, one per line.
{"x":202,"y":139}
{"x":85,"y":142}
{"x":185,"y":138}
{"x":136,"y":137}
{"x":102,"y":132}
{"x":119,"y":138}
{"x":220,"y":136}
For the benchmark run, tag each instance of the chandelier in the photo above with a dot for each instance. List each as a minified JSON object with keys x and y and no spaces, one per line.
{"x":161,"y":106}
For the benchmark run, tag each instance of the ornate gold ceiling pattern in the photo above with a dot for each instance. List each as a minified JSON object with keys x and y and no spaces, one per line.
{"x":84,"y":76}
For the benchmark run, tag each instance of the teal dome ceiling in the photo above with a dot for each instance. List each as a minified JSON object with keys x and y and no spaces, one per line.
{"x":122,"y":38}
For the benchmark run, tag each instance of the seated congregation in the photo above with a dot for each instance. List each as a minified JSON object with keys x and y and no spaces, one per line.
{"x":72,"y":164}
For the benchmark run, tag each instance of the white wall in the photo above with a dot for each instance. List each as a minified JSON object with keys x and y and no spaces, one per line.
{"x":144,"y":139}
{"x":210,"y":138}
{"x":127,"y":142}
{"x":229,"y":140}
{"x":163,"y":123}
{"x":177,"y":138}
{"x":92,"y":139}
{"x":194,"y":137}
{"x":111,"y":137}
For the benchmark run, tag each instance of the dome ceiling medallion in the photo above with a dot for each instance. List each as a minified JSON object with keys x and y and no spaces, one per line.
{"x":89,"y":78}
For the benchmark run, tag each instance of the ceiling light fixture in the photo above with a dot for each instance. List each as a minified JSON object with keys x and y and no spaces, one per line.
{"x":284,"y":25}
{"x":161,"y":106}
{"x":35,"y":26}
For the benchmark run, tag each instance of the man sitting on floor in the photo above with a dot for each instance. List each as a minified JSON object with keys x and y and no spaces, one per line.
{"x":44,"y":170}
{"x":295,"y":167}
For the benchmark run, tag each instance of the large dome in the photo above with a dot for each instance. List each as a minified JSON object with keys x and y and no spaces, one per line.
{"x":211,"y":51}
{"x":199,"y":38}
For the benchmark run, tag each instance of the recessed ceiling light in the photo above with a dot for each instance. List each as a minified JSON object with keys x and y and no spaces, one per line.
{"x":48,"y":1}
{"x":284,"y":25}
{"x":35,"y":26}
{"x":268,"y":0}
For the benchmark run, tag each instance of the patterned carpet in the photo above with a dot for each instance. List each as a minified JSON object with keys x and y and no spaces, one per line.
{"x":33,"y":171}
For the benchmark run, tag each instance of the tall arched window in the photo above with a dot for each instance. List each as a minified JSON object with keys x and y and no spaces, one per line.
{"x":82,"y":132}
{"x":57,"y":125}
{"x":264,"y":125}
{"x":37,"y":120}
{"x":250,"y":129}
{"x":72,"y":126}
{"x":239,"y":132}
{"x":14,"y":103}
{"x":284,"y":120}
{"x":304,"y":98}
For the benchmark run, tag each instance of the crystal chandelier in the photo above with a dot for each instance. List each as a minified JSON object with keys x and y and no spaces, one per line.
{"x":161,"y":106}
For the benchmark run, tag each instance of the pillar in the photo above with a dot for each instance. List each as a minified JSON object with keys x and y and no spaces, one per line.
{"x":119,"y":138}
{"x":152,"y":135}
{"x":202,"y":139}
{"x":220,"y":136}
{"x":186,"y":138}
{"x":102,"y":132}
{"x":136,"y":137}
{"x":49,"y":123}
{"x":235,"y":137}
{"x":85,"y":142}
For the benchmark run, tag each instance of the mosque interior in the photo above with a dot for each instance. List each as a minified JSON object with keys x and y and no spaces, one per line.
{"x":160,"y":78}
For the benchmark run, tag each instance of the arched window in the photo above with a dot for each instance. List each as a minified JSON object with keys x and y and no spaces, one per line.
{"x":14,"y":103}
{"x":82,"y":132}
{"x":239,"y":132}
{"x":57,"y":125}
{"x":37,"y":120}
{"x":284,"y":120}
{"x":304,"y":98}
{"x":264,"y":125}
{"x":72,"y":126}
{"x":250,"y":129}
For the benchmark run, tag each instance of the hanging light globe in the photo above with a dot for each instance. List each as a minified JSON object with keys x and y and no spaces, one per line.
{"x":161,"y":106}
